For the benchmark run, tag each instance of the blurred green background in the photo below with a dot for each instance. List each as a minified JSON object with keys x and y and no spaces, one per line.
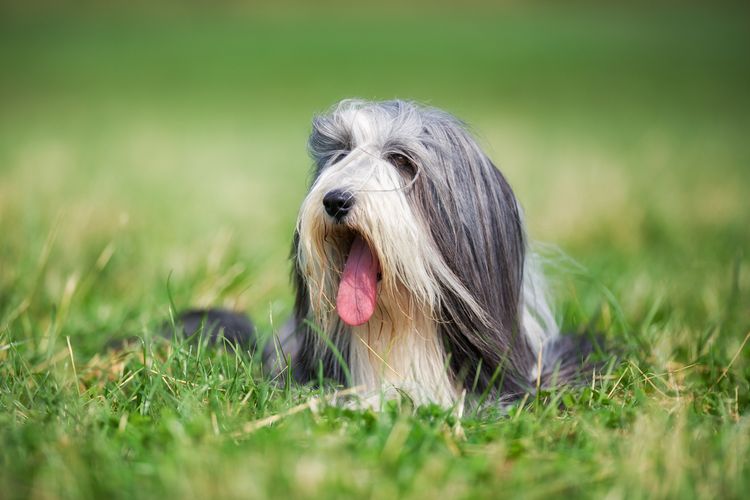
{"x":156,"y":149}
{"x":174,"y":136}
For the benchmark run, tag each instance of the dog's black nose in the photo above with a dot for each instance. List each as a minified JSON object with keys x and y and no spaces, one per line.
{"x":338,"y":203}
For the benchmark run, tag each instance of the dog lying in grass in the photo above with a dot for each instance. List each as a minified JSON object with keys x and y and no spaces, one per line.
{"x":411,"y":268}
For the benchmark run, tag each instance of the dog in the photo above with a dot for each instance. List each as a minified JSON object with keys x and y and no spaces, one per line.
{"x":411,"y":266}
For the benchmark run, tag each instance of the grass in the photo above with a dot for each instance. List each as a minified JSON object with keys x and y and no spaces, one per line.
{"x":146,"y":155}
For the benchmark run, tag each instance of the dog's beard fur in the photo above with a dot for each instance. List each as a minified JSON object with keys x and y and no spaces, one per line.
{"x":460,"y":305}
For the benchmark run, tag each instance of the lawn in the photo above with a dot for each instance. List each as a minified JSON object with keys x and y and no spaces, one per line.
{"x":153,"y":159}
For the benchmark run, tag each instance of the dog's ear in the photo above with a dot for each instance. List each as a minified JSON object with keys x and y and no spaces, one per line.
{"x":473,"y":216}
{"x":475,"y":222}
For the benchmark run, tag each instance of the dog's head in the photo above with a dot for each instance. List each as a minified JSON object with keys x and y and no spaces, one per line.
{"x":405,"y":208}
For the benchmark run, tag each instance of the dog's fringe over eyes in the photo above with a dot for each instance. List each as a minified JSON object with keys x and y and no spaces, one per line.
{"x":411,"y":268}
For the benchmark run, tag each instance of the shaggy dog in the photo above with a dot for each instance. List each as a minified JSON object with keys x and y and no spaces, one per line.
{"x":411,"y":266}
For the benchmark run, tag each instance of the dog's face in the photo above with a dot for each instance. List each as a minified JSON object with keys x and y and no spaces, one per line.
{"x":360,"y":235}
{"x":405,"y":204}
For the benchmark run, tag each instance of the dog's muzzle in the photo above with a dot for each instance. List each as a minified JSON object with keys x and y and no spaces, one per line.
{"x":338,"y":203}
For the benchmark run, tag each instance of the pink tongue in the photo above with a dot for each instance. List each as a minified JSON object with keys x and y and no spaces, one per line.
{"x":358,"y":288}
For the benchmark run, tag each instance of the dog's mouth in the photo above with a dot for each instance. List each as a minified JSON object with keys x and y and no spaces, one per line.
{"x":358,"y":289}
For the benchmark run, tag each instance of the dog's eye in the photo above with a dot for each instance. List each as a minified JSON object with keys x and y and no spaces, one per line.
{"x":402,"y":163}
{"x":338,"y":157}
